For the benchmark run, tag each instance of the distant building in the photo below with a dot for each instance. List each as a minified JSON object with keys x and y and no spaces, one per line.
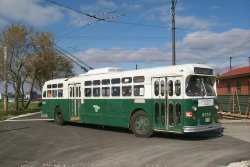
{"x":236,"y":81}
{"x":32,"y":96}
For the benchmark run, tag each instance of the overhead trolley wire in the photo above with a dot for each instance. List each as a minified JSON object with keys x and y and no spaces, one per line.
{"x":106,"y":19}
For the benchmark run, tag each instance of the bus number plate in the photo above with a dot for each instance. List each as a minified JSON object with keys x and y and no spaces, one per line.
{"x":205,"y":102}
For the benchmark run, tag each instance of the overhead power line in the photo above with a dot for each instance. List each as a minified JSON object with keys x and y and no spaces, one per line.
{"x":85,"y":19}
{"x":86,"y":14}
{"x":106,"y":19}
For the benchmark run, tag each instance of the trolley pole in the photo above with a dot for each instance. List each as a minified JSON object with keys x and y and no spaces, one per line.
{"x":5,"y":81}
{"x":173,"y":4}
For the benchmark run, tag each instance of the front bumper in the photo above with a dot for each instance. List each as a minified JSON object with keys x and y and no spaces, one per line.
{"x":201,"y":128}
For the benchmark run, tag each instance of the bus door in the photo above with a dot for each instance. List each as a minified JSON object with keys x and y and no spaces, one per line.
{"x":159,"y":102}
{"x":74,"y":102}
{"x":174,"y":104}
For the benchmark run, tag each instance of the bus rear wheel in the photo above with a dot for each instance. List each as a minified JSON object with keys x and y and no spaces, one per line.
{"x":140,"y":124}
{"x":59,"y":118}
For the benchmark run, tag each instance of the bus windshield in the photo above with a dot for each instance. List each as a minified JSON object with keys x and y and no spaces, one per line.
{"x":200,"y":86}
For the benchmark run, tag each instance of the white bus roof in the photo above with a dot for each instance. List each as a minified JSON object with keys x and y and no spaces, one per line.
{"x":103,"y":71}
{"x":165,"y":70}
{"x":177,"y":70}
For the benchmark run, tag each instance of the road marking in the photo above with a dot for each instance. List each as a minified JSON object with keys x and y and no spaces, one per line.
{"x":13,"y":119}
{"x":26,"y":120}
{"x":24,"y":115}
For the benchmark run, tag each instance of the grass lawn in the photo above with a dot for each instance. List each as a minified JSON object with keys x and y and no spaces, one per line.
{"x":33,"y":107}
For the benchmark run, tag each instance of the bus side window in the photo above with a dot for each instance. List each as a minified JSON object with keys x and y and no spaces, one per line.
{"x":115,"y":80}
{"x":60,"y":85}
{"x":105,"y":81}
{"x":126,"y":80}
{"x":96,"y":82}
{"x":178,"y":87}
{"x":87,"y":83}
{"x":170,"y":88}
{"x":54,"y":93}
{"x":139,"y":90}
{"x":60,"y":92}
{"x":138,"y":79}
{"x":126,"y":91}
{"x":87,"y":92}
{"x":49,"y":93}
{"x":96,"y":92}
{"x":105,"y":91}
{"x":115,"y":91}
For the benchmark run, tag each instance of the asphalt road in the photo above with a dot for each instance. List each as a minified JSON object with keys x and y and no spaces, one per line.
{"x":43,"y":143}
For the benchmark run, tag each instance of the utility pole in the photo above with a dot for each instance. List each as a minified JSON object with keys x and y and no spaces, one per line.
{"x":5,"y":81}
{"x":173,"y":4}
{"x":230,"y":59}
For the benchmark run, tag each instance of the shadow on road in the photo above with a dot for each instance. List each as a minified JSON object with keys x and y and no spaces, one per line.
{"x":190,"y":136}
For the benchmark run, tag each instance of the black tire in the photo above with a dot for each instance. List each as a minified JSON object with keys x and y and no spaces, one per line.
{"x":140,"y":124}
{"x":59,"y":117}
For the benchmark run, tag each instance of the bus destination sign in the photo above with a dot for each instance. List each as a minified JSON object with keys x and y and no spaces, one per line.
{"x":208,"y":71}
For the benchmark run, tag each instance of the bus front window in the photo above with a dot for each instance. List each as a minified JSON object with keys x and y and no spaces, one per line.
{"x":199,"y":86}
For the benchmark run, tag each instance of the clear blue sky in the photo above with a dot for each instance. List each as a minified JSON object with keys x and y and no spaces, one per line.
{"x":208,"y":31}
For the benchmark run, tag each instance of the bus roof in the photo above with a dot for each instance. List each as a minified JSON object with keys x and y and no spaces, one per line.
{"x":177,"y":70}
{"x":165,"y":70}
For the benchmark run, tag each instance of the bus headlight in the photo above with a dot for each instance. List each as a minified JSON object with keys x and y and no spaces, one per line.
{"x":194,"y":108}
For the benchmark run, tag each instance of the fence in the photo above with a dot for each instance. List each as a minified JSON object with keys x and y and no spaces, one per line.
{"x":223,"y":102}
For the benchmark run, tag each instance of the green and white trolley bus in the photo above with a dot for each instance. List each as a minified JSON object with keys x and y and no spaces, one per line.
{"x":179,"y":99}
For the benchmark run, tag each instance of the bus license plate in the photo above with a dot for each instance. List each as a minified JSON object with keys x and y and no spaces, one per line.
{"x":207,"y":120}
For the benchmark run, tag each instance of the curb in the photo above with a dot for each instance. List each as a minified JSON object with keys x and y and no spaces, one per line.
{"x":23,"y":115}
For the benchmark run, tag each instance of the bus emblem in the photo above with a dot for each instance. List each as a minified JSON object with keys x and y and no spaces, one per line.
{"x":96,"y":108}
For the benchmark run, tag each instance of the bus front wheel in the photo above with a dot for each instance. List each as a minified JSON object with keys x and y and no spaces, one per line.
{"x":140,"y":124}
{"x":59,"y":119}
